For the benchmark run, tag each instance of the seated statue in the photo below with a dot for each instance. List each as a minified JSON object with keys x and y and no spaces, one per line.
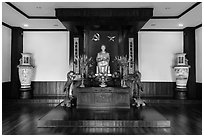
{"x":103,"y":59}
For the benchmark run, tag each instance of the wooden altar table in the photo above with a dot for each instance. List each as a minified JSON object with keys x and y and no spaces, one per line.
{"x":107,"y":97}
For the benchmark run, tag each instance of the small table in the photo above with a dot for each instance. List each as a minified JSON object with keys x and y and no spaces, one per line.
{"x":107,"y":97}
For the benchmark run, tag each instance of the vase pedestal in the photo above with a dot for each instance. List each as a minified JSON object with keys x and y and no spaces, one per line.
{"x":181,"y":93}
{"x":25,"y":93}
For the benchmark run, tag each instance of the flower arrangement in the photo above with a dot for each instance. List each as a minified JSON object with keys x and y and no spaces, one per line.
{"x":122,"y":60}
{"x":84,"y":61}
{"x":123,"y":63}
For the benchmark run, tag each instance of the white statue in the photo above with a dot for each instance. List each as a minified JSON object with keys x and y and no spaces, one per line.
{"x":103,"y":59}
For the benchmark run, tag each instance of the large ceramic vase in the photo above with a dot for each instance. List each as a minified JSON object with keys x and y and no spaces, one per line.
{"x":181,"y":72}
{"x":25,"y":71}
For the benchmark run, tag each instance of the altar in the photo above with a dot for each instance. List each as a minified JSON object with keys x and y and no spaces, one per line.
{"x":107,"y":97}
{"x":103,"y":60}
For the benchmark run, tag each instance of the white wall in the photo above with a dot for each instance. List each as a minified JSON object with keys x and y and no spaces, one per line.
{"x":156,"y":54}
{"x":50,"y":54}
{"x":6,"y":54}
{"x":198,"y":35}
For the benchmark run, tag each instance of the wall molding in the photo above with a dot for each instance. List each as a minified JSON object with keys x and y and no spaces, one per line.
{"x":54,"y":17}
{"x":176,"y":17}
{"x":45,"y":30}
{"x":189,"y":9}
{"x":30,"y":17}
{"x":164,"y":17}
{"x":6,"y":25}
{"x":11,"y":27}
{"x":198,"y":26}
{"x":17,"y":9}
{"x":161,"y":30}
{"x":165,"y":30}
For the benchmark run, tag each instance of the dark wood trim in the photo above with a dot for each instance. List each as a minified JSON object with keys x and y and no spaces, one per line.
{"x":164,"y":17}
{"x":42,"y":17}
{"x":189,"y":49}
{"x":16,"y":50}
{"x":45,"y":30}
{"x":198,"y":90}
{"x":6,"y":90}
{"x":198,"y":26}
{"x":6,"y":25}
{"x":193,"y":6}
{"x":17,"y":9}
{"x":161,"y":30}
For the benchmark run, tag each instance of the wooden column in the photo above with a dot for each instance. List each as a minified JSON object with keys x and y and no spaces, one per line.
{"x":16,"y":50}
{"x":135,"y":35}
{"x":189,"y":49}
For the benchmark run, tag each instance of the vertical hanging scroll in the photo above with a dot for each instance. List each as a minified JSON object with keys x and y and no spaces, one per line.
{"x":76,"y":55}
{"x":131,"y":55}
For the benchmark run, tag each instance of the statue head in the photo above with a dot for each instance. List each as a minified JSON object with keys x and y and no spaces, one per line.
{"x":103,"y":47}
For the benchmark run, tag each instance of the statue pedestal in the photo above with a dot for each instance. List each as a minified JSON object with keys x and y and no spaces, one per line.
{"x":97,"y":70}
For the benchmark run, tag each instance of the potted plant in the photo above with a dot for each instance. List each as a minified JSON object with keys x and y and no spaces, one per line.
{"x":137,"y":88}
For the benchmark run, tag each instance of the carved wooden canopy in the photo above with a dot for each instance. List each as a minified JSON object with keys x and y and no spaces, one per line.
{"x":98,"y":18}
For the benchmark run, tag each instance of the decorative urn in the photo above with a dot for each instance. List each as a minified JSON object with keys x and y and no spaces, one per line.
{"x":25,"y":71}
{"x":181,"y":72}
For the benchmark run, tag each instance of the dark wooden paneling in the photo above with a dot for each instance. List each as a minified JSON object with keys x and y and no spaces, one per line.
{"x":6,"y":89}
{"x":150,"y":89}
{"x":158,"y":89}
{"x":16,"y":50}
{"x":54,"y":89}
{"x":189,"y":49}
{"x":113,"y":13}
{"x":47,"y":88}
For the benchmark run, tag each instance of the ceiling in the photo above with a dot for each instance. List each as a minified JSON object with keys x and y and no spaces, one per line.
{"x":169,"y":10}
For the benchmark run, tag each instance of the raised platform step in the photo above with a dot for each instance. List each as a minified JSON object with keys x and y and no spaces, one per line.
{"x":103,"y":123}
{"x":71,"y":117}
{"x":147,"y":100}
